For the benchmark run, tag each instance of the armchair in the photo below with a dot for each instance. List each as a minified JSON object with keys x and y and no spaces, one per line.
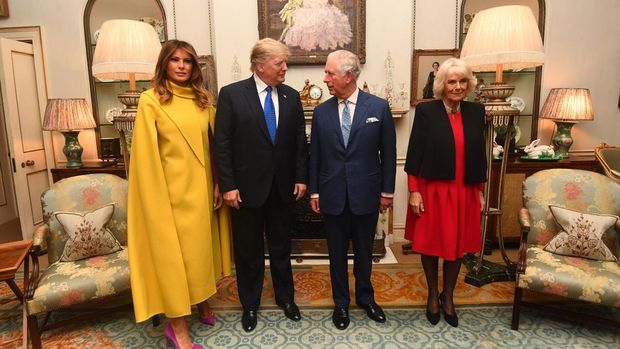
{"x":609,"y":158}
{"x":568,"y":276}
{"x":92,"y":281}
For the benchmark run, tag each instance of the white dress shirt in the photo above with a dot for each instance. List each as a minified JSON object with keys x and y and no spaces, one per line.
{"x":261,"y":88}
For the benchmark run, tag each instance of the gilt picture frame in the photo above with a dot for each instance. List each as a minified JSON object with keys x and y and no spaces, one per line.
{"x":422,"y":67}
{"x":4,"y":8}
{"x":209,"y":74}
{"x":300,"y":25}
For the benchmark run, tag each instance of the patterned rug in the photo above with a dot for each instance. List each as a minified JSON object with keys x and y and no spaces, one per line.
{"x":484,"y":315}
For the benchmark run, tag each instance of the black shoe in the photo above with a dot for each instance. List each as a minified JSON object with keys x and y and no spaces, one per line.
{"x":374,"y":311}
{"x":248,"y":320}
{"x":291,"y":311}
{"x":433,"y":318}
{"x":451,"y":319}
{"x":341,"y":318}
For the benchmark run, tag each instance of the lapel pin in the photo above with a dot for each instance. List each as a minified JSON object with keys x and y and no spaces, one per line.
{"x":283,"y":95}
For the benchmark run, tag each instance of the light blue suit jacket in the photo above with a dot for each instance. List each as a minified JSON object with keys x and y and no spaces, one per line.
{"x":362,"y":170}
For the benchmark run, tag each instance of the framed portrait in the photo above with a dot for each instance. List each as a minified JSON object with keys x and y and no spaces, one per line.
{"x":4,"y":8}
{"x":423,"y":72}
{"x":314,"y":28}
{"x":209,"y":75}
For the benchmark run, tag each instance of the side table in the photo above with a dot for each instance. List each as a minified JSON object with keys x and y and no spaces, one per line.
{"x":12,"y":255}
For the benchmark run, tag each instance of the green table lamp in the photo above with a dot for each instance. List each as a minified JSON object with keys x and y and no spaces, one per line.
{"x":566,"y":106}
{"x":68,"y":116}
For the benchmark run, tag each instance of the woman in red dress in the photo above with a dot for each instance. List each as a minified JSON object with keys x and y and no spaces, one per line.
{"x":446,"y":167}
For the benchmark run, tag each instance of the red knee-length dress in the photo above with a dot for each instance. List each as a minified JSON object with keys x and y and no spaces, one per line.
{"x":449,"y":227}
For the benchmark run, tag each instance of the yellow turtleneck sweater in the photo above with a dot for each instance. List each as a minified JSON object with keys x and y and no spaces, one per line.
{"x":176,"y":243}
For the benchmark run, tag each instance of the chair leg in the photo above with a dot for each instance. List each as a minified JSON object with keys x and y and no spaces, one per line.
{"x":33,"y":330}
{"x":516,"y":308}
{"x":155,"y":320}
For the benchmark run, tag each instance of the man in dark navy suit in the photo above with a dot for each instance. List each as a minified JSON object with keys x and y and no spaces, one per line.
{"x":352,"y":173}
{"x":262,"y":168}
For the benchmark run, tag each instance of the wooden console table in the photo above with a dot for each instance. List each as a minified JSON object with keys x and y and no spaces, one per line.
{"x":516,"y":172}
{"x":63,"y":172}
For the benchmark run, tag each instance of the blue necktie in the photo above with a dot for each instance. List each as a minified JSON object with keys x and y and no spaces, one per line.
{"x":346,"y":122}
{"x":270,"y":115}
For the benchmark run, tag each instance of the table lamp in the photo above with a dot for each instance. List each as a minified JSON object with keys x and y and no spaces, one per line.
{"x":68,"y":116}
{"x":502,"y":38}
{"x":126,"y":50}
{"x":566,"y":106}
{"x":499,"y":38}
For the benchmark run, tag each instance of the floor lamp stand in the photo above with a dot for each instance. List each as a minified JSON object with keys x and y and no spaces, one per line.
{"x":498,"y":112}
{"x":124,"y":123}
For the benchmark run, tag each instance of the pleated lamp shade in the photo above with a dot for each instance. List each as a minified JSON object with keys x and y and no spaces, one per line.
{"x":568,"y":105}
{"x":506,"y":35}
{"x":126,"y":47}
{"x":68,"y":114}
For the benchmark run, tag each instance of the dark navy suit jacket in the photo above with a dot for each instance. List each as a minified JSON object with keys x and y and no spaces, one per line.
{"x":362,"y":170}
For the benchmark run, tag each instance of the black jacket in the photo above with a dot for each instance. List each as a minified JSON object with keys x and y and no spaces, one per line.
{"x":431,"y":151}
{"x":245,"y":157}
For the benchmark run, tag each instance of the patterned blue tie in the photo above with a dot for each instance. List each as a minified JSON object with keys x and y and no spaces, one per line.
{"x":346,"y":122}
{"x":270,"y":115}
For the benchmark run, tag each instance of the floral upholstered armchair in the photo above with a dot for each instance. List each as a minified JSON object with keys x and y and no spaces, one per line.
{"x":569,"y":238}
{"x":84,"y":235}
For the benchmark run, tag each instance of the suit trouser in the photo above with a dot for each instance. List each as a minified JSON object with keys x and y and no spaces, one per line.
{"x":360,"y":229}
{"x":275,"y":219}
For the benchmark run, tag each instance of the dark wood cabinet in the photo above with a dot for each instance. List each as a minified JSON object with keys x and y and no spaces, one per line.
{"x":516,"y":172}
{"x":63,"y":172}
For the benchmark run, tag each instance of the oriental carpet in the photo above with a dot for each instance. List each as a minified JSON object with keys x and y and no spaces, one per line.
{"x":484,"y":315}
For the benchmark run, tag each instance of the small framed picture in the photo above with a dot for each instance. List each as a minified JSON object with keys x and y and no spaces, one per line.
{"x":4,"y":8}
{"x":425,"y":65}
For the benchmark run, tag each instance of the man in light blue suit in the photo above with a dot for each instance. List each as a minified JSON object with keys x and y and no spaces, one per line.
{"x":352,"y":172}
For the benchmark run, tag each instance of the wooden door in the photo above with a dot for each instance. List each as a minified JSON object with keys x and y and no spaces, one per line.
{"x":23,"y":100}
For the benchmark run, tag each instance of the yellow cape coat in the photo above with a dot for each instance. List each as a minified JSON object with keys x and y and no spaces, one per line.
{"x":176,"y":246}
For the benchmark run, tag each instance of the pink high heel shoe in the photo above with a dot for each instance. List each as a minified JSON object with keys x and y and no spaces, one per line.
{"x":170,"y":336}
{"x":209,"y":320}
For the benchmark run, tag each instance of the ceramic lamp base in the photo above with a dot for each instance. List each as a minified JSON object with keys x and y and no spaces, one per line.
{"x":72,"y":149}
{"x":562,"y":139}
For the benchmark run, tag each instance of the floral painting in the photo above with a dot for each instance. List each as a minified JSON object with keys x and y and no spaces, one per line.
{"x":314,"y":28}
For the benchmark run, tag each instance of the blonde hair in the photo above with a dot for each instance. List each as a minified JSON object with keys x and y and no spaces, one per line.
{"x":160,"y":80}
{"x":453,"y":66}
{"x":264,"y":49}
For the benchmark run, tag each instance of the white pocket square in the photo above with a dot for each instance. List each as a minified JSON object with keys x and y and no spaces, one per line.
{"x":372,"y":120}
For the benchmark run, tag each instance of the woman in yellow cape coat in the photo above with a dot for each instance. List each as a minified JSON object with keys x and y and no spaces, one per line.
{"x":176,"y":243}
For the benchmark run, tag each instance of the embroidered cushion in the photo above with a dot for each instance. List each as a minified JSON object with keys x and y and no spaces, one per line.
{"x":88,"y":234}
{"x":581,"y":234}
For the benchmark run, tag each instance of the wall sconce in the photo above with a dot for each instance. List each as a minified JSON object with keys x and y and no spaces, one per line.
{"x":68,"y":116}
{"x":566,"y":106}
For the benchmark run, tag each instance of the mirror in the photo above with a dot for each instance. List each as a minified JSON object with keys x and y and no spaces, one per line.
{"x":104,"y":92}
{"x":526,"y":96}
